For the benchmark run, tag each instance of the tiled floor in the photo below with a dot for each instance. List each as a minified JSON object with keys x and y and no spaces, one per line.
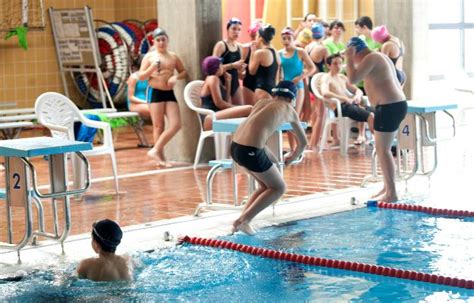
{"x":160,"y":194}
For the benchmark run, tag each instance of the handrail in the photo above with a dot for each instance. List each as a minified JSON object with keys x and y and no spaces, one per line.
{"x":61,"y":193}
{"x":427,"y":132}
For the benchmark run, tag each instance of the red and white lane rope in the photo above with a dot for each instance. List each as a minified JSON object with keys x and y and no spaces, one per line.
{"x":331,"y":263}
{"x":423,"y":209}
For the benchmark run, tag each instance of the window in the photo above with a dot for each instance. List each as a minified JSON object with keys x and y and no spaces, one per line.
{"x":451,"y":37}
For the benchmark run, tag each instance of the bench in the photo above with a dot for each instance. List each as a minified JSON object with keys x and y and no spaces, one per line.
{"x":11,"y":120}
{"x":11,"y":130}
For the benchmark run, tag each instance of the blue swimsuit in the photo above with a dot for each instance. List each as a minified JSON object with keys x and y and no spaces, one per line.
{"x":292,"y":67}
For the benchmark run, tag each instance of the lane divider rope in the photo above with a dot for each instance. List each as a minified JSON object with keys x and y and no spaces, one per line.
{"x":331,"y":263}
{"x":423,"y":209}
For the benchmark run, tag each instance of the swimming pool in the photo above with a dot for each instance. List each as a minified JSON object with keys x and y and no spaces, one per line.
{"x":394,"y":238}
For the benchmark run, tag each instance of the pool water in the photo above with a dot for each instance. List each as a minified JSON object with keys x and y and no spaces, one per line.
{"x":393,"y":238}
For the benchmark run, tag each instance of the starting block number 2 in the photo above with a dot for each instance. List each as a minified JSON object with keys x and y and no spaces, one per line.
{"x":18,"y":189}
{"x":407,"y":133}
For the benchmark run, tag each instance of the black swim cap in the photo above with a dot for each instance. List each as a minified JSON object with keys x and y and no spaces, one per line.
{"x":267,"y":32}
{"x":159,"y":32}
{"x":286,"y":89}
{"x":107,"y":233}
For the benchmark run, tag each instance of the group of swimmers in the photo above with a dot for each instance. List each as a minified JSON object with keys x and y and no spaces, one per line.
{"x":239,"y":75}
{"x":273,"y":103}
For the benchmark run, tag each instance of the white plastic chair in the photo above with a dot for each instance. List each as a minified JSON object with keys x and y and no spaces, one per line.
{"x":57,"y":113}
{"x":343,"y":123}
{"x":192,"y":97}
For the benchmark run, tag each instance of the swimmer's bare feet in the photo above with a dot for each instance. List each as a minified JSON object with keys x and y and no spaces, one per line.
{"x":244,"y":227}
{"x":378,"y":195}
{"x":359,"y":141}
{"x":247,"y":228}
{"x":388,"y":198}
{"x":152,"y":153}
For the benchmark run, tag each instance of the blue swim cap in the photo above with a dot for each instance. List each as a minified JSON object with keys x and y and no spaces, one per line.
{"x":286,"y":89}
{"x":318,"y":30}
{"x":358,"y":43}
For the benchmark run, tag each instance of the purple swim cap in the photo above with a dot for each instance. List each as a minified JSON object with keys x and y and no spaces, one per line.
{"x":210,"y":65}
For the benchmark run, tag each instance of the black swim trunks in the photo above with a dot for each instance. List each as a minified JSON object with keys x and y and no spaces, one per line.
{"x":389,"y":116}
{"x":252,"y":158}
{"x":158,"y":95}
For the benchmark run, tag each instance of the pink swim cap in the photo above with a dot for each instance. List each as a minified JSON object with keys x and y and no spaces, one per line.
{"x":254,"y":27}
{"x":210,"y":65}
{"x":380,"y":34}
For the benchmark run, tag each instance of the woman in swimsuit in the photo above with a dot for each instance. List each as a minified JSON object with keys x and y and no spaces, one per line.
{"x":248,"y":82}
{"x":264,"y":63}
{"x":393,"y":47}
{"x":230,"y":51}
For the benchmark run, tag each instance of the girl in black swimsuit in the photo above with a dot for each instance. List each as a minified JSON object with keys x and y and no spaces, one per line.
{"x":264,"y":63}
{"x":230,"y":52}
{"x":249,"y":80}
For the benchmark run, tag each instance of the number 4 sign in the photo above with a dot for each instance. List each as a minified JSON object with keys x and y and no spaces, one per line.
{"x":407,"y":133}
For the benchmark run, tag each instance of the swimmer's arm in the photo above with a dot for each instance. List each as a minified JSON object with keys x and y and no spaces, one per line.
{"x":354,"y":90}
{"x":356,"y":75}
{"x":82,"y":268}
{"x":386,"y":49}
{"x":218,"y":51}
{"x":220,"y":103}
{"x":146,"y":68}
{"x":278,"y":75}
{"x":245,"y":50}
{"x":309,"y":67}
{"x":254,"y":62}
{"x":328,"y":94}
{"x":301,"y":139}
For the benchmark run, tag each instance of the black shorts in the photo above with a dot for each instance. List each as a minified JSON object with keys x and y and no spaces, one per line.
{"x":355,"y":112}
{"x":158,"y":95}
{"x":252,"y":158}
{"x":389,"y":116}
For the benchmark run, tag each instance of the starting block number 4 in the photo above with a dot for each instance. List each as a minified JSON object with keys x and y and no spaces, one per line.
{"x":407,"y":133}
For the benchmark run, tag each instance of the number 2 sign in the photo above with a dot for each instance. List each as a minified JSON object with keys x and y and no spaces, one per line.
{"x":17,"y":190}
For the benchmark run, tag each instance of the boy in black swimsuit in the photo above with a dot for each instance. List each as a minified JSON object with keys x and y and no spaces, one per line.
{"x":248,"y":150}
